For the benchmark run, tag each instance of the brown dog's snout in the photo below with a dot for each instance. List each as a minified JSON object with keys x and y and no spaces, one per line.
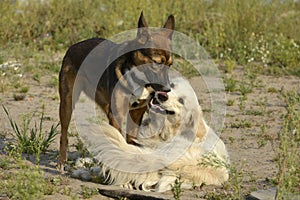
{"x":162,"y":96}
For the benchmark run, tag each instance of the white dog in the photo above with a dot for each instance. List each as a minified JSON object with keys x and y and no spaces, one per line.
{"x":174,"y":141}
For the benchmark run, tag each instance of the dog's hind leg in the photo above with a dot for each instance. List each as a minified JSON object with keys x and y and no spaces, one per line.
{"x":67,"y":102}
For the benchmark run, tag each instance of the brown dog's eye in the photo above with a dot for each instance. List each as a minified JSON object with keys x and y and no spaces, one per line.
{"x":181,"y":100}
{"x":156,"y":62}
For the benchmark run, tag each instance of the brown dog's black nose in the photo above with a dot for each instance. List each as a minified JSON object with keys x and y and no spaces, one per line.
{"x":162,"y":96}
{"x":158,"y":87}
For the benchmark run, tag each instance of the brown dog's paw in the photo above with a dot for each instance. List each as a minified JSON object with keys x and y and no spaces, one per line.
{"x":61,"y":167}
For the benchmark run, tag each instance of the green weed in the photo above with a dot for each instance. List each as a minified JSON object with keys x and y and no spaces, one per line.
{"x":231,"y":139}
{"x":242,"y":104}
{"x":176,"y":189}
{"x":54,"y":81}
{"x":264,"y":137}
{"x":230,"y":84}
{"x":230,"y":65}
{"x":241,"y":124}
{"x":25,"y":183}
{"x":230,"y":102}
{"x":288,"y":153}
{"x":263,"y":103}
{"x":31,"y":140}
{"x":254,"y":112}
{"x":272,"y":90}
{"x":87,"y":192}
{"x":81,"y":149}
{"x":24,"y":89}
{"x":5,"y":163}
{"x":232,"y":188}
{"x":245,"y":88}
{"x":37,"y":77}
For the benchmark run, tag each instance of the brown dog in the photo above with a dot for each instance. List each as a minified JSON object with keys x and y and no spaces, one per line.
{"x":93,"y":66}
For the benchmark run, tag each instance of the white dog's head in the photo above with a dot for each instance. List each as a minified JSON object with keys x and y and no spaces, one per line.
{"x":172,"y":114}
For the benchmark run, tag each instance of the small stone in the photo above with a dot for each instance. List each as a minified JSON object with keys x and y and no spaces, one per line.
{"x":95,"y":170}
{"x":82,"y":174}
{"x":83,"y":162}
{"x":263,"y":194}
{"x":73,"y":155}
{"x":19,"y":97}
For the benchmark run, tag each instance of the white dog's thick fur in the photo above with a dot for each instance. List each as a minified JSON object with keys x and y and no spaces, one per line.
{"x":172,"y":145}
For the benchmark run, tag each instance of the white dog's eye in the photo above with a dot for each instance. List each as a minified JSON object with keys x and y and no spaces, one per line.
{"x":181,"y":100}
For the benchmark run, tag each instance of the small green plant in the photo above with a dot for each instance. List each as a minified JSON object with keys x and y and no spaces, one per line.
{"x":54,"y":81}
{"x":66,"y":190}
{"x":254,"y":112}
{"x":87,"y":192}
{"x":241,"y":124}
{"x":230,"y":102}
{"x":176,"y":188}
{"x":31,"y":140}
{"x":261,"y":142}
{"x":26,"y":183}
{"x":231,"y":139}
{"x":234,"y":184}
{"x":242,"y":104}
{"x":37,"y":77}
{"x":230,"y":85}
{"x":81,"y":149}
{"x":230,"y":66}
{"x":5,"y":163}
{"x":17,"y":84}
{"x":272,"y":90}
{"x":263,"y":137}
{"x":211,"y":160}
{"x":245,"y":88}
{"x":232,"y":188}
{"x":263,"y":103}
{"x":236,"y":180}
{"x":24,"y":89}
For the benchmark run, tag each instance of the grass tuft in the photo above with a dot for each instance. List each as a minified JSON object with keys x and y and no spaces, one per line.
{"x":288,"y":178}
{"x":31,"y":140}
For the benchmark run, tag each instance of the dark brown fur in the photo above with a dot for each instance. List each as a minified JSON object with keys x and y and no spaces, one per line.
{"x":106,"y":90}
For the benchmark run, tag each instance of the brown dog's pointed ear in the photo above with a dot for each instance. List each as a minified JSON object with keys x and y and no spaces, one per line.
{"x":170,"y":24}
{"x":143,"y":32}
{"x":142,"y":22}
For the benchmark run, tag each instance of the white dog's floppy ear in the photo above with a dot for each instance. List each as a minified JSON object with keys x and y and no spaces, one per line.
{"x":201,"y":127}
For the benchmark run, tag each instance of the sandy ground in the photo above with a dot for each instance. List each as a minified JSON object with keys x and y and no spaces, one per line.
{"x":256,"y":163}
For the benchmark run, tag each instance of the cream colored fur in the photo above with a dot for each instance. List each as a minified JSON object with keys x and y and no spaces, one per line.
{"x":172,"y":146}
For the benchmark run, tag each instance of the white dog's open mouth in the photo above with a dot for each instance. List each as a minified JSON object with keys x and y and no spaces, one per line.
{"x":157,"y":107}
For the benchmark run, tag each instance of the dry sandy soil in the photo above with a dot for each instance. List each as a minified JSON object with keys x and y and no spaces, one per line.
{"x":252,"y":151}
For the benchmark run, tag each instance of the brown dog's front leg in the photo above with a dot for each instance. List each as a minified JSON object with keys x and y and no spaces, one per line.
{"x":134,"y":121}
{"x":114,"y":122}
